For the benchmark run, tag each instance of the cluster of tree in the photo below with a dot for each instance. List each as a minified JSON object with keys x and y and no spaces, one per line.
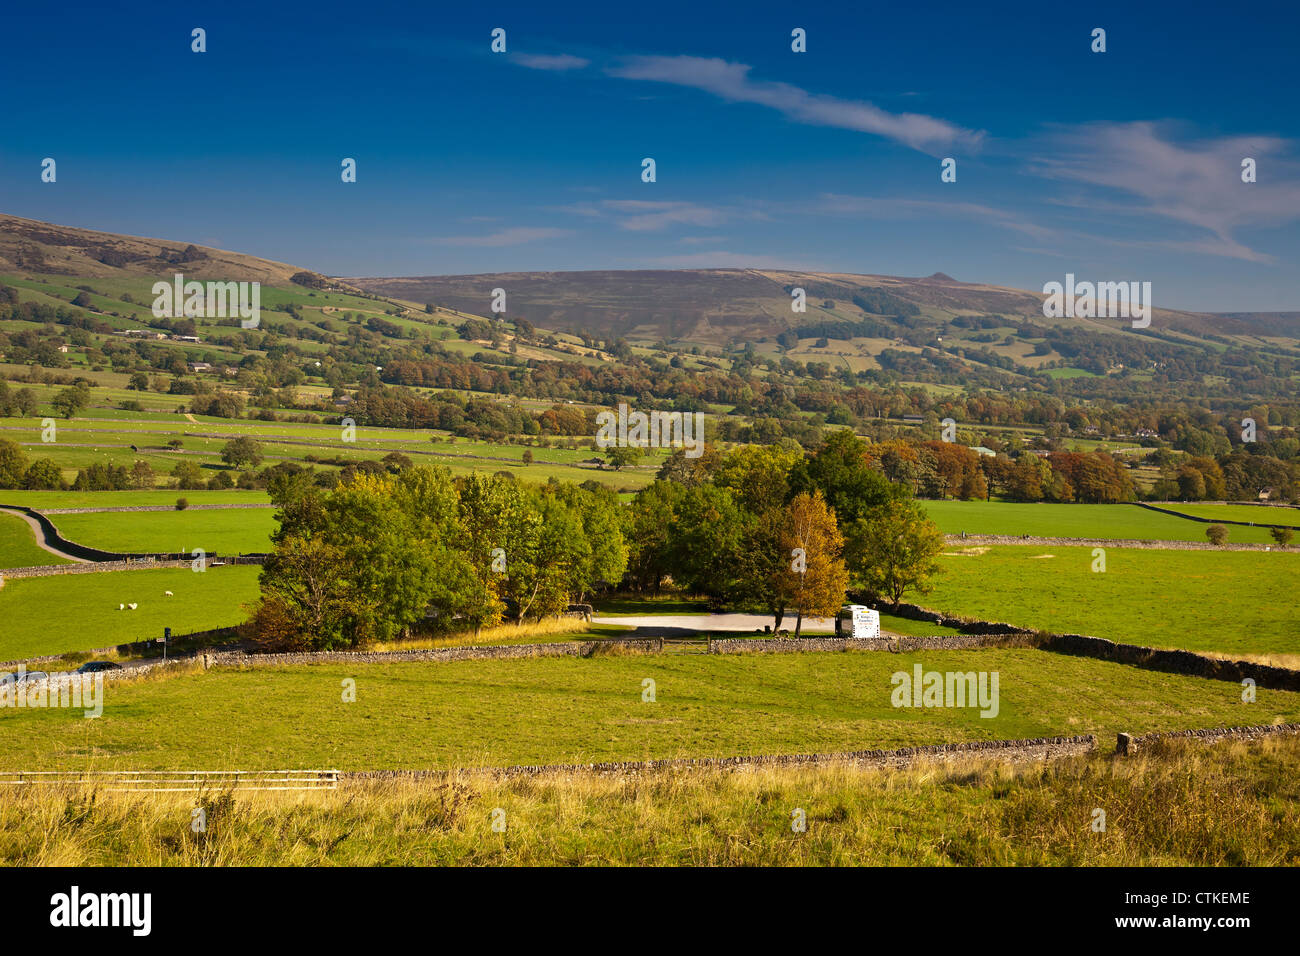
{"x":1236,"y":476}
{"x":16,"y":403}
{"x":380,"y":557}
{"x":16,"y":471}
{"x":1088,"y":477}
{"x":106,"y":477}
{"x":935,"y":469}
{"x":773,"y":529}
{"x":475,"y":418}
{"x":221,"y":404}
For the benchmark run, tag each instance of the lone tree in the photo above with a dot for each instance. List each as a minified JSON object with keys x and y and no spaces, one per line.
{"x":69,"y":401}
{"x":620,"y":456}
{"x":1282,"y":536}
{"x":1217,"y":534}
{"x":815,"y":577}
{"x":893,"y":549}
{"x":242,"y":451}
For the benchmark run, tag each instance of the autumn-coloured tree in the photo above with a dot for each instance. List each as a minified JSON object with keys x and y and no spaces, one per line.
{"x":1097,"y":478}
{"x":813,"y":576}
{"x":959,"y":470}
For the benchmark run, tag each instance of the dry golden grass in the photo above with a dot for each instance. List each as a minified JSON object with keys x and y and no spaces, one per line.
{"x":1288,"y":661}
{"x":1230,"y":803}
{"x":536,"y":632}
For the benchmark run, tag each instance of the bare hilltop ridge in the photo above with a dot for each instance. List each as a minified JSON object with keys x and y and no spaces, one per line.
{"x":717,"y":304}
{"x":684,"y":304}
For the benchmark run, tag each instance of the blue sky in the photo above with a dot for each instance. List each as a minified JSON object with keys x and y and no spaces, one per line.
{"x":1123,"y":165}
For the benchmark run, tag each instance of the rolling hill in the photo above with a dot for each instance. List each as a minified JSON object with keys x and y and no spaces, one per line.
{"x":935,"y":328}
{"x":40,"y":247}
{"x":716,"y":305}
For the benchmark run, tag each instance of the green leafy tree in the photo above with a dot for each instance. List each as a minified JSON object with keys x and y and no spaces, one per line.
{"x":13,"y":464}
{"x":43,"y":475}
{"x":242,"y":451}
{"x":647,"y":521}
{"x":188,"y":475}
{"x":142,"y":475}
{"x":604,"y":556}
{"x":71,"y":400}
{"x":493,"y":520}
{"x":620,"y":456}
{"x":706,"y":545}
{"x":547,"y":552}
{"x":841,"y":472}
{"x":893,"y":550}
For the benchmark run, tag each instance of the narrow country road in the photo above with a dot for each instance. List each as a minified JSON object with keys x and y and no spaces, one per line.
{"x":40,"y":536}
{"x":684,"y":625}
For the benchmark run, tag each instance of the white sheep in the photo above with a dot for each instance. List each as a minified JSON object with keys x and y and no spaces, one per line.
{"x":168,"y":593}
{"x":133,"y":606}
{"x":121,"y":607}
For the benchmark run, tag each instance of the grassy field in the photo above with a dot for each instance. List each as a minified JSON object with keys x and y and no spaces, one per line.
{"x":41,"y":500}
{"x":18,"y":545}
{"x":75,"y":612}
{"x":1041,"y":519}
{"x":225,"y":531}
{"x":1286,"y":516}
{"x":104,"y":435}
{"x":1232,"y":804}
{"x":549,"y":710}
{"x":1227,"y":601}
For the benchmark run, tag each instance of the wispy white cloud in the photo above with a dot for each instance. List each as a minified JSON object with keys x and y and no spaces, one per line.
{"x":732,"y":82}
{"x":870,"y":207}
{"x":644,"y":215}
{"x":514,"y":236}
{"x":1144,"y":172}
{"x":640,"y":215}
{"x":557,"y":63}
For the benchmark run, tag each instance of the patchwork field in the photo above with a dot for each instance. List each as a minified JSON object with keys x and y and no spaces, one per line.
{"x":548,"y":710}
{"x":1228,"y":601}
{"x":75,"y":612}
{"x":105,"y":434}
{"x":1041,"y":519}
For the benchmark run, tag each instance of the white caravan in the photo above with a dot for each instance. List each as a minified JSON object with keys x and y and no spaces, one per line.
{"x":857,"y":621}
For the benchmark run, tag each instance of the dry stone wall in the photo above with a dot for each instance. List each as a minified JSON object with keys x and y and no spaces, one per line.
{"x":1036,"y":748}
{"x":442,"y":654}
{"x":896,"y":645}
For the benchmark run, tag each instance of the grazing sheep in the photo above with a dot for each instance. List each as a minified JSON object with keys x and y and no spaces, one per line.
{"x":168,"y":593}
{"x":133,"y":606}
{"x":121,"y":607}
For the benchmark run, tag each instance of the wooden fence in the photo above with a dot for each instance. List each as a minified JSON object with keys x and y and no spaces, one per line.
{"x":177,"y":781}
